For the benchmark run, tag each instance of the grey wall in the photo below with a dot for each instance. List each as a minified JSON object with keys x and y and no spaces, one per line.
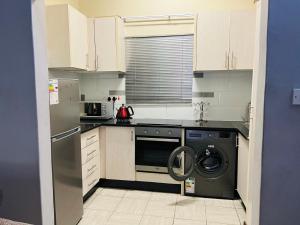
{"x":280,"y":193}
{"x":19,"y":147}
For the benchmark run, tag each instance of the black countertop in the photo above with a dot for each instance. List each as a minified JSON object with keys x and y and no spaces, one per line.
{"x":238,"y":126}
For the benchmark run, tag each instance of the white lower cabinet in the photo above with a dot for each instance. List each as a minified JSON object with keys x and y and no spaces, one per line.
{"x":90,"y":157}
{"x":120,"y":153}
{"x":243,"y":165}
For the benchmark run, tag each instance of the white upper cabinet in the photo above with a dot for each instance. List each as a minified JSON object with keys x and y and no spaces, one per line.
{"x":91,"y":45}
{"x":67,"y":36}
{"x":212,"y":41}
{"x":242,"y":30}
{"x":224,"y":40}
{"x":108,"y":52}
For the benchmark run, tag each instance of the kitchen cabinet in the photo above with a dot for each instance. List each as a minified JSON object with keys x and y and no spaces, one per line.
{"x":243,"y":165}
{"x":67,"y":36}
{"x":120,"y":153}
{"x":90,"y":157}
{"x":224,"y":41}
{"x":212,"y":41}
{"x":107,"y":45}
{"x":91,"y":65}
{"x":242,"y":34}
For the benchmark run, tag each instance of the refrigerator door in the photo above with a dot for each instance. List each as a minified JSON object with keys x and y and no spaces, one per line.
{"x":66,"y":114}
{"x":67,"y":177}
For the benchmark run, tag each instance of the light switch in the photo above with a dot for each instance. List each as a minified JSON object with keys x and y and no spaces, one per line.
{"x":296,"y":96}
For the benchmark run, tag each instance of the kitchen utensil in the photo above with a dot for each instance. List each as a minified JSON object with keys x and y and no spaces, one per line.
{"x":123,"y":112}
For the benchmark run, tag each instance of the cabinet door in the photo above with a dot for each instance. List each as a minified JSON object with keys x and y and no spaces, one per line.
{"x":120,"y":36}
{"x":67,"y":37}
{"x":58,"y":47}
{"x":242,"y":30}
{"x":106,"y":48}
{"x":120,"y":153}
{"x":212,"y":43}
{"x":78,"y":39}
{"x":242,"y":179}
{"x":91,"y":45}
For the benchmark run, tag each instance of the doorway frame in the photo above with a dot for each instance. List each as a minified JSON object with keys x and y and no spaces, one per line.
{"x":257,"y":113}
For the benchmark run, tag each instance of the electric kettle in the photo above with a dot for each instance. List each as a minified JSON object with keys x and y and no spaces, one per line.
{"x":123,"y":112}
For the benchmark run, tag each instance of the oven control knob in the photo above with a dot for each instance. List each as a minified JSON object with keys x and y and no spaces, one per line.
{"x":145,"y":132}
{"x":170,"y":132}
{"x":156,"y":131}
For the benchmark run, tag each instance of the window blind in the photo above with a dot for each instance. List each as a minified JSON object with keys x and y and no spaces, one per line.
{"x":159,"y":69}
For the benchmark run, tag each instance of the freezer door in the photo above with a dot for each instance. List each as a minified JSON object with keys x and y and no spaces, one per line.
{"x":67,"y":178}
{"x":66,"y":114}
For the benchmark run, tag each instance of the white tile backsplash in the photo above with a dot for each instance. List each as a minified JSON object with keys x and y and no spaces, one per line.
{"x":97,"y":86}
{"x":232,"y":93}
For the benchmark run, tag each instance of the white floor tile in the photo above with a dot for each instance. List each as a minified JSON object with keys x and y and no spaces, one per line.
{"x":113,"y":192}
{"x":89,"y":201}
{"x":193,"y":211}
{"x":98,"y":191}
{"x":182,"y":198}
{"x":155,"y":220}
{"x":122,"y":207}
{"x":221,"y":215}
{"x":104,"y":203}
{"x":132,"y":206}
{"x":190,"y":201}
{"x":160,"y":208}
{"x":138,"y":194}
{"x":124,"y":219}
{"x":188,"y":222}
{"x":166,"y":197}
{"x":219,"y":202}
{"x":95,"y":217}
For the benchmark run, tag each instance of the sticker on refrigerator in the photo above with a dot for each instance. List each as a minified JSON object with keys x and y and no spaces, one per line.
{"x":53,"y":92}
{"x":190,"y":185}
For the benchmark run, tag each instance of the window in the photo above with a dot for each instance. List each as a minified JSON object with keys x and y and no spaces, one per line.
{"x":159,"y":70}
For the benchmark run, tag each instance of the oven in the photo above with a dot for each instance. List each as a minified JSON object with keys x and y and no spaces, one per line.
{"x":153,"y":146}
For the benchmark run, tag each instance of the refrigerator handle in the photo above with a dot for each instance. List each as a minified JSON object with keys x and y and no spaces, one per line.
{"x":66,"y":134}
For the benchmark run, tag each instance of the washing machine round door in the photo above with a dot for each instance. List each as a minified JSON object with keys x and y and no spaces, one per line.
{"x":211,"y":162}
{"x":176,"y":169}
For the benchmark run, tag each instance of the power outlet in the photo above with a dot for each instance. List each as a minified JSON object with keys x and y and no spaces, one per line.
{"x":296,"y":96}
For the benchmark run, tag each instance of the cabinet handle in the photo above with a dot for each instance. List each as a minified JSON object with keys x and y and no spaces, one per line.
{"x":232,"y":63}
{"x":92,"y":182}
{"x":131,"y":135}
{"x":89,"y":138}
{"x":90,"y":174}
{"x":226,"y":60}
{"x":97,"y":62}
{"x":87,"y":61}
{"x":91,"y":152}
{"x":235,"y":61}
{"x":93,"y":167}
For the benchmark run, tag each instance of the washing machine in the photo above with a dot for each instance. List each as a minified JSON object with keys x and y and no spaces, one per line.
{"x":210,"y":159}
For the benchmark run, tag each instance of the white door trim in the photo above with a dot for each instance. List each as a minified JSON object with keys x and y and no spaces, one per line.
{"x":257,"y":114}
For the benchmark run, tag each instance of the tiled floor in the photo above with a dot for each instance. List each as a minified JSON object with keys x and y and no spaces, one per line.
{"x":128,"y":207}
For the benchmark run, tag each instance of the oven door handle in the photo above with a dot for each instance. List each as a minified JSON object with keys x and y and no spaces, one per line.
{"x":158,"y":139}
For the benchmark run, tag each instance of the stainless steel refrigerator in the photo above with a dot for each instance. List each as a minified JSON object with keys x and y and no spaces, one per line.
{"x":66,"y":152}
